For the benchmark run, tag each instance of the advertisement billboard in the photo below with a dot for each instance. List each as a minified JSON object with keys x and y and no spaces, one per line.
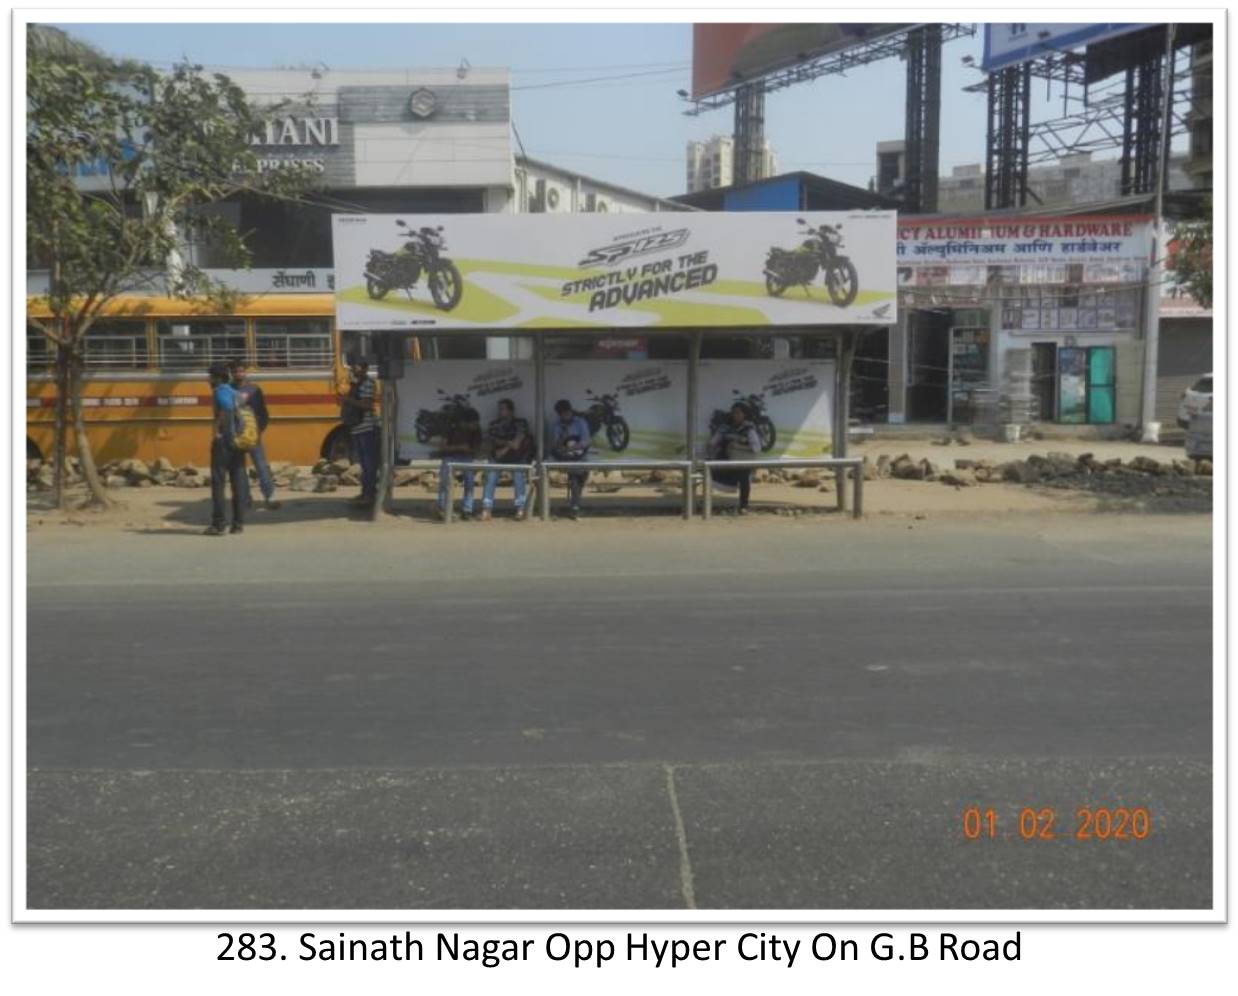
{"x":790,"y":402}
{"x":726,"y":55}
{"x":428,"y":273}
{"x":1009,"y":44}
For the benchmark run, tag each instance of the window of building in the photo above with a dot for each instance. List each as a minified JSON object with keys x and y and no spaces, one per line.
{"x":196,"y":343}
{"x":292,"y":343}
{"x":116,"y":344}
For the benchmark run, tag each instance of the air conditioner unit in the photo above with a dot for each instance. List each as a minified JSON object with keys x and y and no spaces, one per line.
{"x":552,"y":198}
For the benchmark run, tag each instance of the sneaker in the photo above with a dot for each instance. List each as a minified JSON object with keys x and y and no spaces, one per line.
{"x":440,"y":514}
{"x":236,"y":528}
{"x":213,"y":531}
{"x":271,"y":505}
{"x":742,"y":510}
{"x":485,"y":515}
{"x":520,"y":514}
{"x":466,"y":514}
{"x":573,"y":513}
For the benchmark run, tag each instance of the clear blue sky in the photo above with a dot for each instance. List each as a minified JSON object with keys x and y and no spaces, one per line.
{"x":630,"y":132}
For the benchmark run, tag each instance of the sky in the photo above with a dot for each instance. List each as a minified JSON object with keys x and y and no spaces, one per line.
{"x":629,"y":131}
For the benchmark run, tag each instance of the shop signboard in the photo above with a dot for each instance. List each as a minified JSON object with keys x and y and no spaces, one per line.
{"x":791,"y":402}
{"x":1024,"y":251}
{"x":617,"y":272}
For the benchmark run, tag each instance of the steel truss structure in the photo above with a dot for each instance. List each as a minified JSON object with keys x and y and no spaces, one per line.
{"x":1121,"y":112}
{"x":920,"y":46}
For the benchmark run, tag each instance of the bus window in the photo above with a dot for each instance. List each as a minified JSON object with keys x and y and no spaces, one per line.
{"x":39,"y":350}
{"x":196,"y":343}
{"x":293,"y":343}
{"x":116,"y":345}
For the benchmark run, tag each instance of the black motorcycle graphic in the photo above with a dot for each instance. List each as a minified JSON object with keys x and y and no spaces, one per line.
{"x":432,"y":423}
{"x":820,"y":252}
{"x":422,"y":253}
{"x":754,"y":407}
{"x":603,"y":410}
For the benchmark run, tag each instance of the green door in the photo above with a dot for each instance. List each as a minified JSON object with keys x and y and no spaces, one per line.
{"x":1101,"y":385}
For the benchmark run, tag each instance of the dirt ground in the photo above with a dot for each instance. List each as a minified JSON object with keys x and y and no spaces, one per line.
{"x":188,"y":509}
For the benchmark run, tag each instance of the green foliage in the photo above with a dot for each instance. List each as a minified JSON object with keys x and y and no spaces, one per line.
{"x":167,"y":145}
{"x":1190,"y":257}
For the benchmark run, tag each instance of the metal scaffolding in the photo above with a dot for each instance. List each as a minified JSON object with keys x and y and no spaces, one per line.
{"x":1006,"y":148}
{"x":923,"y":124}
{"x":749,"y":147}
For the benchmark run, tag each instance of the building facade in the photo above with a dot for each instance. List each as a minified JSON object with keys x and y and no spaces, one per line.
{"x":711,"y":164}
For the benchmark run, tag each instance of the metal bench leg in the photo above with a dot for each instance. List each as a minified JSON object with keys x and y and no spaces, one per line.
{"x":840,"y":486}
{"x":449,"y":509}
{"x":859,"y":490}
{"x":543,"y":497}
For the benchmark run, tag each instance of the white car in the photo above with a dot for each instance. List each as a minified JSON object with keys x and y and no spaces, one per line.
{"x":1193,"y":400}
{"x":1199,"y":435}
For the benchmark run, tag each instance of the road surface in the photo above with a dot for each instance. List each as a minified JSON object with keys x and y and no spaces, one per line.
{"x":610,"y":715}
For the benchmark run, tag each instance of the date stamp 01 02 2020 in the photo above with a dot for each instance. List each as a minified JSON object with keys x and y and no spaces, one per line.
{"x":1041,"y":823}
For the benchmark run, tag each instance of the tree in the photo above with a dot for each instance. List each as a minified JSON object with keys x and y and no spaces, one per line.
{"x":166,"y":145}
{"x":1190,"y":257}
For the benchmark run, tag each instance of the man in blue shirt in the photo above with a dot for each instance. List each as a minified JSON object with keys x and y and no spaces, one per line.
{"x":569,"y":440}
{"x":227,"y":462}
{"x":251,"y":394}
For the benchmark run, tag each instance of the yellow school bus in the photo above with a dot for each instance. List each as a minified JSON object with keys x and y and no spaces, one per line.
{"x":145,"y":390}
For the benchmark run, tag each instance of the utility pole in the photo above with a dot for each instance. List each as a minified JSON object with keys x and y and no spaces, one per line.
{"x":1156,"y":271}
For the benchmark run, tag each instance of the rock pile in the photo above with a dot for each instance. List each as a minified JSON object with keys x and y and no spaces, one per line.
{"x":1141,"y":477}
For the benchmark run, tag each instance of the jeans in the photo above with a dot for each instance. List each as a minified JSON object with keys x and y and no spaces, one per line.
{"x":227,"y":467}
{"x":492,"y":482}
{"x":741,"y":477}
{"x":265,"y":481}
{"x":444,"y":475}
{"x":366,"y":445}
{"x":576,"y":486}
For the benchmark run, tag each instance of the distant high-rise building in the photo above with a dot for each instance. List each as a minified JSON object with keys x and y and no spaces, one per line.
{"x":711,"y":164}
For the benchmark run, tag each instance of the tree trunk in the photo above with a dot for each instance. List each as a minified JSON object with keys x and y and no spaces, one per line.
{"x":98,"y":493}
{"x":59,"y":495}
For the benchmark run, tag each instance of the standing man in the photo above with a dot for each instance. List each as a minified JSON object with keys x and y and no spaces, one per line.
{"x":569,"y":440}
{"x":509,"y":440}
{"x":737,"y":439}
{"x":357,"y":411}
{"x":460,"y":445}
{"x":251,"y":394}
{"x":227,"y":462}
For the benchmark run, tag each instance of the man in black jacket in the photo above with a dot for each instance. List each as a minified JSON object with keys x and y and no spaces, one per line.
{"x":251,"y":394}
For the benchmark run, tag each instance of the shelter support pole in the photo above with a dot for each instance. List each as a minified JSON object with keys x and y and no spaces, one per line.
{"x":539,"y":425}
{"x":842,"y":408}
{"x":386,"y":454}
{"x":694,"y":362}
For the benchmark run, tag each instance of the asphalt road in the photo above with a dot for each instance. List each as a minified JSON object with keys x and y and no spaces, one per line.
{"x":783,"y":715}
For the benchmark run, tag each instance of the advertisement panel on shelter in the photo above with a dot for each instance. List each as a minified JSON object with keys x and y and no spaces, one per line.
{"x":614,"y":271}
{"x":635,"y":409}
{"x":436,"y":396}
{"x":789,"y":402}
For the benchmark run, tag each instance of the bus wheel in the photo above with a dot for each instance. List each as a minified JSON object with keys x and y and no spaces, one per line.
{"x":32,"y":450}
{"x":337,"y":445}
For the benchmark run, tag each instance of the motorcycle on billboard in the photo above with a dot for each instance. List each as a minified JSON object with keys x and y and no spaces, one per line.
{"x":421,"y":253}
{"x":436,"y":423}
{"x":820,"y":252}
{"x":603,"y":410}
